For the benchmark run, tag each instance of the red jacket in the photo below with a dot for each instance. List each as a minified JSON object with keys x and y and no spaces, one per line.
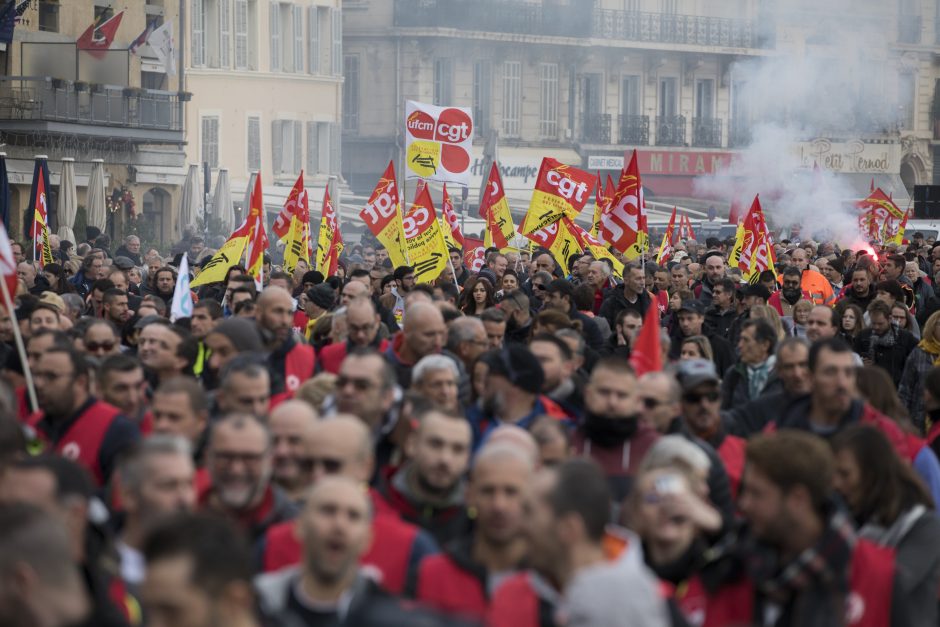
{"x":515,"y":604}
{"x":390,"y":552}
{"x":299,"y":365}
{"x":332,"y":355}
{"x":731,"y":451}
{"x":82,"y":440}
{"x":453,"y":583}
{"x":871,"y":581}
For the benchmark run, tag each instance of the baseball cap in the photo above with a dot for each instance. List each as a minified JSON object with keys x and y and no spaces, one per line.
{"x":694,"y":372}
{"x":693,"y":306}
{"x":517,"y":363}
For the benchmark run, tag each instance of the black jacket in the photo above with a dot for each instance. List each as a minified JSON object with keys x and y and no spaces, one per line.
{"x":719,"y":322}
{"x":735,"y":386}
{"x":589,"y":329}
{"x":722,"y":351}
{"x":750,"y":418}
{"x":615,"y":302}
{"x":891,"y":358}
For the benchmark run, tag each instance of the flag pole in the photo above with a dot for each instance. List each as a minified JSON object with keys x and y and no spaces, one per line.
{"x":20,"y":347}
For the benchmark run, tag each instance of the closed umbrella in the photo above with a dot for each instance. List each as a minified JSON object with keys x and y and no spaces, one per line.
{"x":94,"y":203}
{"x":190,"y":201}
{"x":222,"y":203}
{"x":68,"y":200}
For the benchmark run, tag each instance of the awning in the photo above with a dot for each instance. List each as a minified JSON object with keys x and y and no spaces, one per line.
{"x":20,"y":172}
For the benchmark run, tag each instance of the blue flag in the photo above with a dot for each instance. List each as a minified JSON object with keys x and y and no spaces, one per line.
{"x":9,"y":13}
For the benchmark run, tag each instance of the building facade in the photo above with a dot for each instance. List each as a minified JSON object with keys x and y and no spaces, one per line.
{"x":266,"y":79}
{"x":123,"y":108}
{"x":586,"y":80}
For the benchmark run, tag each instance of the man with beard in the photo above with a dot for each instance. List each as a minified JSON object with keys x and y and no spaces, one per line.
{"x":291,"y":424}
{"x":71,"y":421}
{"x":460,"y":581}
{"x":155,"y":480}
{"x":569,"y":548}
{"x":790,"y":294}
{"x":715,"y":265}
{"x":560,"y":296}
{"x":342,"y":446}
{"x":121,"y":383}
{"x":239,"y":464}
{"x":428,"y":490}
{"x":330,"y":588}
{"x":860,"y":291}
{"x":515,"y":305}
{"x":363,"y":323}
{"x":612,"y":433}
{"x":883,"y":343}
{"x":558,"y":364}
{"x":513,"y":395}
{"x":807,"y":566}
{"x":290,"y":361}
{"x":162,"y":285}
{"x":206,"y":315}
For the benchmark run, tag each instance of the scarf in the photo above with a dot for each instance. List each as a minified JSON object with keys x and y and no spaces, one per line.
{"x":757,"y":377}
{"x":932,"y":348}
{"x":817,"y":578}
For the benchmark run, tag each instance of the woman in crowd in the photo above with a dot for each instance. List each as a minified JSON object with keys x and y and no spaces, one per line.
{"x":853,"y":322}
{"x":57,"y":278}
{"x":893,"y":508}
{"x":901,"y":316}
{"x":696,"y":347}
{"x":919,"y":363}
{"x":477,"y":296}
{"x":770,"y":314}
{"x":801,"y":311}
{"x":509,"y":282}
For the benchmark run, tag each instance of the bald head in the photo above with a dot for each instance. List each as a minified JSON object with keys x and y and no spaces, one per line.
{"x":352,"y":291}
{"x":515,"y":437}
{"x":274,"y":294}
{"x":424,"y":330}
{"x":362,"y":321}
{"x":296,"y":411}
{"x":276,"y":312}
{"x":341,"y":445}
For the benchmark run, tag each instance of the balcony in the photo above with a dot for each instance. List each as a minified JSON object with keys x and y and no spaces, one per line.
{"x":739,"y":134}
{"x":595,"y":129}
{"x":578,"y":20}
{"x":670,"y":131}
{"x":909,"y":28}
{"x":706,"y":132}
{"x":500,"y":16}
{"x":54,"y":106}
{"x":666,"y":28}
{"x":635,"y":130}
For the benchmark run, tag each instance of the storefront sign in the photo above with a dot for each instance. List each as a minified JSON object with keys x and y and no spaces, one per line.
{"x":850,"y":157}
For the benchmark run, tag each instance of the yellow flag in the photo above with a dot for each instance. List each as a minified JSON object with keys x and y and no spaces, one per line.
{"x":296,"y":248}
{"x":448,"y":236}
{"x":425,"y":239}
{"x":229,"y":255}
{"x":735,"y":255}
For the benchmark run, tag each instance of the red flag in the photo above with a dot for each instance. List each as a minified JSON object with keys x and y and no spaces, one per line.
{"x":97,"y":38}
{"x":623,"y":225}
{"x":258,"y":239}
{"x":7,"y":263}
{"x":336,"y":245}
{"x":42,"y":251}
{"x":689,"y":233}
{"x":450,"y":216}
{"x":669,"y":240}
{"x":292,"y":207}
{"x":646,"y":353}
{"x":494,"y":208}
{"x":473,"y":253}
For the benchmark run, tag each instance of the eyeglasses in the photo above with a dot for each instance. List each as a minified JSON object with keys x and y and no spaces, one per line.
{"x":693,"y":398}
{"x":331,"y":465}
{"x":94,"y":347}
{"x":228,"y":458}
{"x":538,"y":286}
{"x":360,"y":384}
{"x":651,"y":403}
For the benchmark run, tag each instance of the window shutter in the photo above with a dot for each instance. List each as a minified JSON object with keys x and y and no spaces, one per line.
{"x":276,"y":148}
{"x":225,"y":33}
{"x":298,"y":20}
{"x":313,"y":39}
{"x":323,"y":153}
{"x":275,"y":25}
{"x":312,"y":148}
{"x":254,"y":143}
{"x":241,"y":34}
{"x":298,"y":153}
{"x":199,"y":34}
{"x":337,"y":42}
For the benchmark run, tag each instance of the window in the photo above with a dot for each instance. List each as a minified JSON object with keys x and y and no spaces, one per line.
{"x":274,"y":18}
{"x":287,"y":146}
{"x":906,"y":93}
{"x":225,"y":33}
{"x":705,"y":98}
{"x":482,"y":96}
{"x":668,"y":100}
{"x":254,"y":143}
{"x":313,"y":143}
{"x":297,"y":24}
{"x":593,"y":103}
{"x":337,"y":41}
{"x":313,"y":37}
{"x":209,"y":140}
{"x":351,"y":93}
{"x":548,"y":110}
{"x":323,"y":148}
{"x":512,"y":98}
{"x":241,"y":35}
{"x":199,"y":33}
{"x":443,"y":82}
{"x":49,"y":16}
{"x":630,"y":96}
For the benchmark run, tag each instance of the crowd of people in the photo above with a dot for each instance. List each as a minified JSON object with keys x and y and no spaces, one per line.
{"x":362,"y":450}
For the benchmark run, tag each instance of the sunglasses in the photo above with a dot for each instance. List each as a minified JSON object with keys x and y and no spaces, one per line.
{"x":651,"y":403}
{"x":538,"y":286}
{"x":694,"y":398}
{"x":99,"y":346}
{"x":359,"y":384}
{"x":331,"y":465}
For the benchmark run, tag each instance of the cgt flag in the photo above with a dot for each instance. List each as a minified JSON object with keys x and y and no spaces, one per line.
{"x":560,"y":239}
{"x":329,"y":239}
{"x":298,"y":237}
{"x":382,"y":215}
{"x":257,"y":238}
{"x":426,"y":247}
{"x":669,"y":240}
{"x":593,"y":245}
{"x":473,"y":254}
{"x":292,"y":207}
{"x":623,"y":226}
{"x":438,"y":142}
{"x":560,"y":190}
{"x":42,"y":249}
{"x":451,"y":226}
{"x":494,"y":208}
{"x":647,"y":355}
